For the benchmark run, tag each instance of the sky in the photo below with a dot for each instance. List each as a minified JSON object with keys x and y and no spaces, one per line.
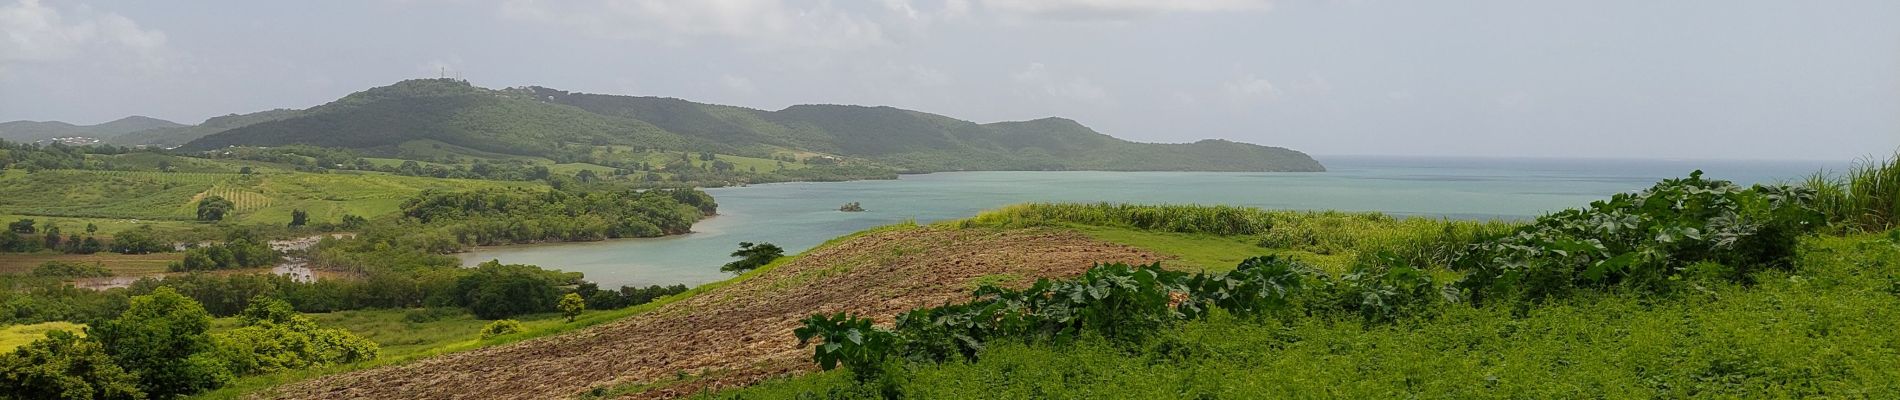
{"x":1587,"y":78}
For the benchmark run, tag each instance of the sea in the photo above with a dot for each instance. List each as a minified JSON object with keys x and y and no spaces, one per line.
{"x":797,"y":216}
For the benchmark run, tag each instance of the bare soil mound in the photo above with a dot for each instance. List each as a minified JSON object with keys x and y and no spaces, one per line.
{"x":741,"y":333}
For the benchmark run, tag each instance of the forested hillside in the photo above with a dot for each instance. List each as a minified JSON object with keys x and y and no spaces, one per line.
{"x":544,"y":122}
{"x":28,"y":131}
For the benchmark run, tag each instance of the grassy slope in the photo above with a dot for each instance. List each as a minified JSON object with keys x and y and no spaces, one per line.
{"x":1822,"y":330}
{"x":111,"y":198}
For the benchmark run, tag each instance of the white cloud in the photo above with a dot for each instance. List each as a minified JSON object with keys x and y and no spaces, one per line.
{"x":1250,"y":87}
{"x":926,"y":76}
{"x":1116,"y":9}
{"x":738,"y":84}
{"x":758,"y":22}
{"x":31,"y":32}
{"x":1074,"y":88}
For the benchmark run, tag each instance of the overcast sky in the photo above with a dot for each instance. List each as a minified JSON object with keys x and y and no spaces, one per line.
{"x":1587,"y":78}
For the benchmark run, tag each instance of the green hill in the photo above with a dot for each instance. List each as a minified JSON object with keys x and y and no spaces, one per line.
{"x":450,"y":111}
{"x":544,"y":122}
{"x":179,"y":135}
{"x":28,"y":131}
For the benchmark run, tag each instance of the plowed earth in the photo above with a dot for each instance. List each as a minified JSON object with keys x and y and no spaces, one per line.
{"x":741,"y":333}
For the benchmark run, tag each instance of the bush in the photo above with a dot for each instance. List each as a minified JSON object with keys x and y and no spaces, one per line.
{"x":1644,"y":240}
{"x":65,"y":366}
{"x":275,"y":338}
{"x":502,"y":327}
{"x":63,"y":269}
{"x":161,"y":337}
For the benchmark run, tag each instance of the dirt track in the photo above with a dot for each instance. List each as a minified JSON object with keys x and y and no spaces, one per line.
{"x":738,"y":334}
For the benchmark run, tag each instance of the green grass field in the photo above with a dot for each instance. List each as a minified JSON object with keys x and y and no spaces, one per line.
{"x":20,"y":335}
{"x":119,"y":199}
{"x":119,"y":264}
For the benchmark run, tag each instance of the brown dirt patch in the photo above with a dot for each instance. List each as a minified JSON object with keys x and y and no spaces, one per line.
{"x":742,"y":333}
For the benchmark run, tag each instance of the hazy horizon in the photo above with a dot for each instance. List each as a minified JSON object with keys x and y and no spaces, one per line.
{"x":1617,"y":80}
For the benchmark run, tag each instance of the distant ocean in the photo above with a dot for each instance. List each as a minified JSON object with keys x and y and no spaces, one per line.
{"x":797,"y":216}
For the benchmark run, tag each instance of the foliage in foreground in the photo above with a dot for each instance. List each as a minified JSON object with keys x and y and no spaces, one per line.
{"x":1650,"y":240}
{"x":1819,"y":331}
{"x":1645,"y":241}
{"x":1115,"y":301}
{"x":162,"y":347}
{"x":1864,"y":199}
{"x":65,"y":366}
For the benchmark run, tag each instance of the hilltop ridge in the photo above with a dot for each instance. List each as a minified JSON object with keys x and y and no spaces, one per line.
{"x":539,"y":121}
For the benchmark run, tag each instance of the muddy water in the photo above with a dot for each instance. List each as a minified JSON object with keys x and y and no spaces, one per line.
{"x":797,"y":216}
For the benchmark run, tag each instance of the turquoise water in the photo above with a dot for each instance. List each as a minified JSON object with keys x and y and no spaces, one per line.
{"x":798,"y":216}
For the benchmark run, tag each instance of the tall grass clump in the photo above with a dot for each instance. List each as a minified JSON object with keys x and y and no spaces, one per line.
{"x":1217,"y":220}
{"x":1865,"y":199}
{"x":1419,"y":241}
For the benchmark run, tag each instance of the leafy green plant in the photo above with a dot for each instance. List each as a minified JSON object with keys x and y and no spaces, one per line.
{"x":1643,"y":240}
{"x":1118,"y":302}
{"x":848,"y":340}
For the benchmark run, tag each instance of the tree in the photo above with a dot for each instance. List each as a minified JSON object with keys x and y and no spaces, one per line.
{"x":752,"y":256}
{"x":52,"y":239}
{"x":65,"y":366}
{"x":571,"y":306}
{"x":138,"y":240}
{"x":496,"y":291}
{"x":24,"y":225}
{"x":244,"y":171}
{"x":213,"y":208}
{"x":91,"y":229}
{"x":161,"y":337}
{"x":586,"y":175}
{"x":299,"y":218}
{"x":352,"y":221}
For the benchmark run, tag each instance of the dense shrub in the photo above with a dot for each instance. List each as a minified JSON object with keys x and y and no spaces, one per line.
{"x":162,"y":338}
{"x":275,"y":338}
{"x":237,"y":253}
{"x":66,"y":269}
{"x":65,"y":366}
{"x":1646,"y":240}
{"x":29,"y":300}
{"x":501,"y":327}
